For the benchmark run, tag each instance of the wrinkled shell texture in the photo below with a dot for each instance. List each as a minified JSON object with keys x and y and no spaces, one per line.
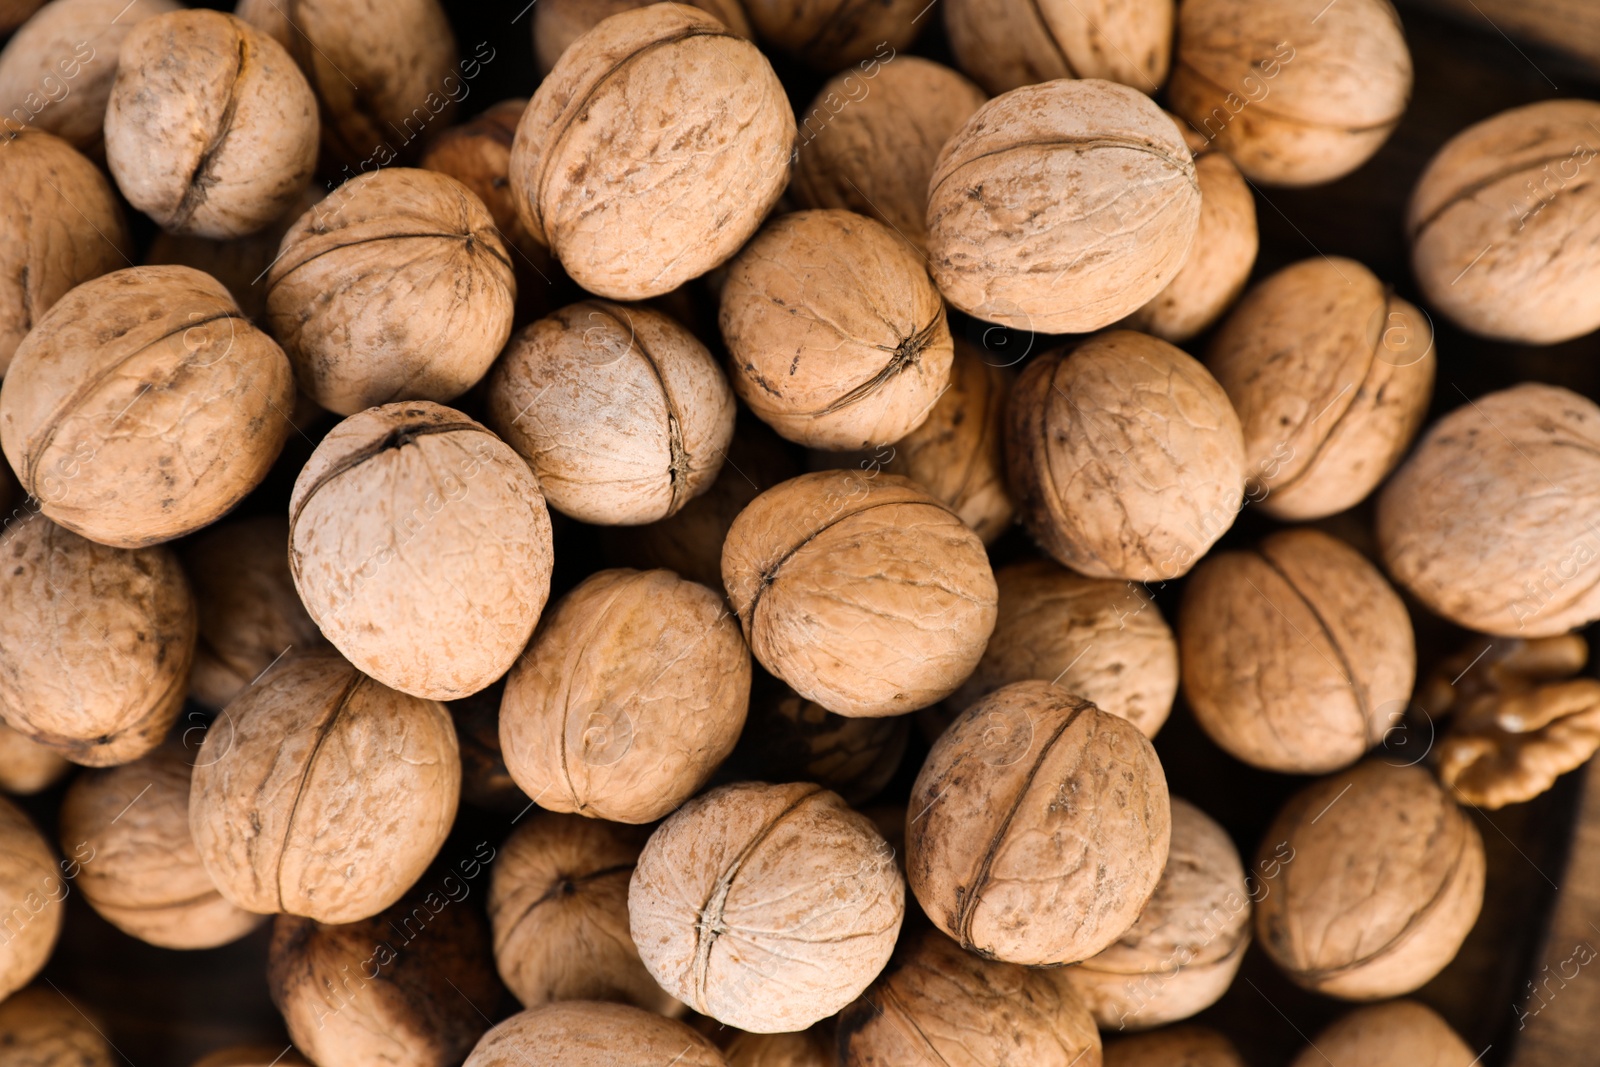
{"x":1044,"y":827}
{"x":639,"y":177}
{"x":766,"y":907}
{"x":64,"y":227}
{"x":144,"y":405}
{"x":558,"y":902}
{"x":869,"y":144}
{"x":630,"y":695}
{"x":1296,"y":94}
{"x":146,"y":877}
{"x":831,"y":33}
{"x":1006,"y":44}
{"x":938,"y":1004}
{"x":1062,"y":207}
{"x":210,"y":129}
{"x":1504,"y":226}
{"x":1331,"y":375}
{"x":1488,"y":523}
{"x":557,"y":23}
{"x":1399,"y":1034}
{"x":1178,"y":1046}
{"x":41,"y":1028}
{"x":1383,"y":885}
{"x":95,"y":642}
{"x":1124,"y":456}
{"x":420,"y":544}
{"x":397,"y":286}
{"x":321,"y":793}
{"x":27,"y":767}
{"x":808,"y":1048}
{"x":1297,"y":655}
{"x":33,"y":889}
{"x":477,"y":153}
{"x":861,"y":591}
{"x":836,"y":335}
{"x":1101,"y":639}
{"x":1182,"y":953}
{"x":622,"y":413}
{"x":579,"y":1033}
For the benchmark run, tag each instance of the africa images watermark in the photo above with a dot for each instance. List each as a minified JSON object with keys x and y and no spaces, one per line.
{"x":53,"y":88}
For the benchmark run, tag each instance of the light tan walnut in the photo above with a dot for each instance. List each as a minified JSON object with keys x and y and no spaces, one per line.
{"x":1006,"y":44}
{"x":582,"y":1033}
{"x":26,"y":766}
{"x":1402,"y":1033}
{"x":31,"y":893}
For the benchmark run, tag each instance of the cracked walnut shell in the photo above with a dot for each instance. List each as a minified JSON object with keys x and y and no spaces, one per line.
{"x":33,"y":888}
{"x":1402,"y":1033}
{"x":583,"y":1033}
{"x":1006,"y":44}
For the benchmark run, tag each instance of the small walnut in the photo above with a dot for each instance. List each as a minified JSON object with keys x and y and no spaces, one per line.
{"x":809,"y":1048}
{"x":1038,"y":828}
{"x":938,"y":1004}
{"x":462,"y":516}
{"x":1006,"y":44}
{"x":1124,"y":456}
{"x":557,"y":23}
{"x":1297,"y":654}
{"x":1008,"y":247}
{"x":33,"y":890}
{"x":27,"y":767}
{"x":766,"y":907}
{"x":1382,"y":880}
{"x":1399,"y":1034}
{"x":581,"y":1033}
{"x":1295,"y":92}
{"x":1176,"y":1046}
{"x":833,"y":33}
{"x":861,"y":591}
{"x":652,"y":151}
{"x":95,"y":642}
{"x":1490,"y":521}
{"x":40,"y":1027}
{"x":1502,"y":225}
{"x":253,"y":1056}
{"x":144,"y":405}
{"x":321,"y":793}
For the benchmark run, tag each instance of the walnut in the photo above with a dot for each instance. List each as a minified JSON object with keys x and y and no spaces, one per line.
{"x":485,"y":781}
{"x":1006,"y":44}
{"x":146,"y":878}
{"x":1295,"y":93}
{"x":766,"y":907}
{"x":143,"y":406}
{"x":95,"y":642}
{"x":425,"y":487}
{"x":1488,"y":523}
{"x":938,"y":1004}
{"x":1008,"y":247}
{"x":557,"y":23}
{"x":652,"y":151}
{"x":858,"y":589}
{"x":1382,"y":881}
{"x":1502,"y":225}
{"x":33,"y":890}
{"x":1176,"y":1046}
{"x":1038,"y":828}
{"x":1399,"y":1034}
{"x":830,"y":33}
{"x":581,"y":1033}
{"x":1295,"y":653}
{"x":805,"y":1049}
{"x":27,"y":767}
{"x":253,"y":1056}
{"x":318,"y":792}
{"x":836,"y":335}
{"x":622,"y":413}
{"x":1124,"y":456}
{"x":40,"y":1027}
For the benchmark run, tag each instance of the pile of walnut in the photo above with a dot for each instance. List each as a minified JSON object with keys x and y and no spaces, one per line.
{"x":638,"y":475}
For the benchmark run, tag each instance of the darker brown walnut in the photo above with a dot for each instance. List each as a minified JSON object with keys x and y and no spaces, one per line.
{"x":558,"y":23}
{"x":1006,"y":44}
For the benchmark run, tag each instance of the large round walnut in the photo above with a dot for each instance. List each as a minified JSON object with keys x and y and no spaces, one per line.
{"x":40,"y":1027}
{"x":1124,"y":456}
{"x":766,"y":907}
{"x":1401,"y":1033}
{"x":861,"y":591}
{"x":557,"y":23}
{"x":652,"y":151}
{"x":321,"y":793}
{"x":95,"y":642}
{"x":581,"y":1033}
{"x":833,"y":33}
{"x":33,"y":890}
{"x":1006,"y":44}
{"x":1176,"y":1046}
{"x":1490,"y":521}
{"x":1383,"y":881}
{"x":938,"y":1004}
{"x":1006,"y":244}
{"x":144,"y":405}
{"x":420,"y":544}
{"x":26,"y":766}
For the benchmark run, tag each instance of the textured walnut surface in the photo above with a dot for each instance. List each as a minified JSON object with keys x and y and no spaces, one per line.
{"x":34,"y":888}
{"x":40,"y":1027}
{"x":809,"y":1048}
{"x":1398,"y":1034}
{"x":831,"y":33}
{"x":557,"y":23}
{"x":1177,"y":1046}
{"x":581,"y":1033}
{"x":1005,"y":44}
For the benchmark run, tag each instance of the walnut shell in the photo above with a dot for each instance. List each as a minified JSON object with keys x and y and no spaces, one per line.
{"x":33,"y":890}
{"x":557,"y":23}
{"x":861,"y":591}
{"x":1488,"y":523}
{"x":462,"y":512}
{"x":253,"y":1056}
{"x":1297,"y":655}
{"x":868,"y":142}
{"x":485,"y":781}
{"x":397,"y":286}
{"x":1383,"y":881}
{"x":652,"y":151}
{"x":580,"y":1033}
{"x":1177,"y":1046}
{"x":144,"y":405}
{"x":1503,"y":226}
{"x":1006,"y":44}
{"x":72,"y":231}
{"x":627,"y":699}
{"x":836,"y":336}
{"x":1399,"y":1034}
{"x":829,"y":34}
{"x":27,"y":767}
{"x":1039,"y":827}
{"x":1124,"y":456}
{"x":40,"y":1027}
{"x":95,"y":642}
{"x":1006,"y":244}
{"x":938,"y":1004}
{"x":558,"y":901}
{"x":805,"y":1049}
{"x":766,"y":907}
{"x":319,"y":792}
{"x":622,"y":413}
